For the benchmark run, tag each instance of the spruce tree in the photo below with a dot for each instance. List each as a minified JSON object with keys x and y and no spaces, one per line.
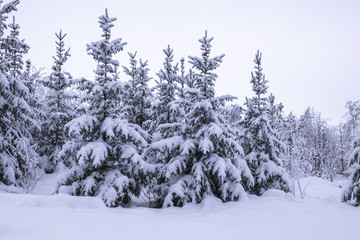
{"x":167,"y":88}
{"x":276,"y":115}
{"x":210,"y":160}
{"x":261,"y":146}
{"x":18,"y":159}
{"x":137,"y":94}
{"x":165,"y":129}
{"x":352,"y":192}
{"x":104,"y":147}
{"x":348,"y":129}
{"x":58,"y":107}
{"x":4,"y":11}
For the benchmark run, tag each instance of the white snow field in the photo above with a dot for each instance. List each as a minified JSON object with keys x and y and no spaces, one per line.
{"x":276,"y":215}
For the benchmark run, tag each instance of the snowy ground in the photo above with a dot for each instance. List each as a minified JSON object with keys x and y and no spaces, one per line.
{"x":275,"y":215}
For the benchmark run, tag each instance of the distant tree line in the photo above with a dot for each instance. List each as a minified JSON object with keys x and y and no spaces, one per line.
{"x":170,"y":144}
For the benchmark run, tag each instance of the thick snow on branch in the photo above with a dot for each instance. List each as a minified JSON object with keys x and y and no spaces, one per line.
{"x":84,"y":123}
{"x":97,"y":152}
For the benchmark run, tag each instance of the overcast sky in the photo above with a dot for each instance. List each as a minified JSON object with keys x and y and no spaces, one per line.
{"x":311,"y":49}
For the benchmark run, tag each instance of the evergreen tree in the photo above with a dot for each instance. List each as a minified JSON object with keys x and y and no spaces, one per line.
{"x":106,"y":73}
{"x":352,"y":192}
{"x":166,"y":88}
{"x":18,"y":159}
{"x":344,"y":148}
{"x":210,"y":160}
{"x":31,"y":78}
{"x":58,"y":109}
{"x":137,"y":94}
{"x":4,"y":11}
{"x":165,"y":129}
{"x":15,"y":50}
{"x":104,"y":147}
{"x":353,"y":118}
{"x":261,"y":146}
{"x":349,"y":128}
{"x":182,"y":78}
{"x":275,"y":115}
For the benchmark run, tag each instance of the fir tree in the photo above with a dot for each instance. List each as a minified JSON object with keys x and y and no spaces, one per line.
{"x":15,"y":50}
{"x":349,"y":127}
{"x":18,"y":159}
{"x":166,"y":88}
{"x":58,"y":109}
{"x":353,"y":118}
{"x":261,"y":146}
{"x":210,"y":160}
{"x":4,"y":11}
{"x":105,"y":148}
{"x":352,"y":192}
{"x":275,"y":115}
{"x":165,"y":129}
{"x":137,"y":94}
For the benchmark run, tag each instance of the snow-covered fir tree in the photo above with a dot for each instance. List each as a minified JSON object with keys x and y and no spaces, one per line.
{"x":104,"y":147}
{"x":15,"y":50}
{"x":353,"y":118}
{"x":276,"y":115}
{"x":137,"y":94}
{"x":182,"y":78}
{"x":4,"y":11}
{"x":165,"y":129}
{"x":186,"y":82}
{"x":167,"y":88}
{"x":261,"y":146}
{"x":349,"y":128}
{"x":58,"y":109}
{"x":36,"y":99}
{"x":31,"y":78}
{"x":18,"y":159}
{"x":352,"y":192}
{"x":210,"y":160}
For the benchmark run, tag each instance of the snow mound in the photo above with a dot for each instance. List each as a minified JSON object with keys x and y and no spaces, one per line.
{"x":53,"y":201}
{"x":10,"y":189}
{"x":210,"y":203}
{"x":275,"y":193}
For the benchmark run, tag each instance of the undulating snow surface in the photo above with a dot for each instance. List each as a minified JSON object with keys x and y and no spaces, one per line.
{"x":276,"y":215}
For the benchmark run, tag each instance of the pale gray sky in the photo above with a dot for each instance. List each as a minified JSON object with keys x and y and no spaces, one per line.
{"x":311,"y":48}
